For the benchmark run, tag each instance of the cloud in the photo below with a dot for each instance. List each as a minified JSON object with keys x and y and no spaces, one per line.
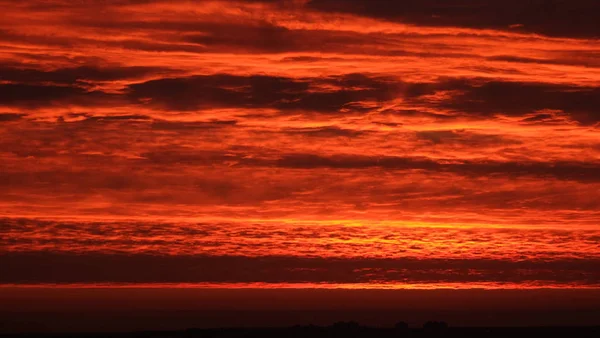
{"x":465,"y":138}
{"x":91,"y":119}
{"x":350,"y":93}
{"x":325,"y":132}
{"x":178,"y":126}
{"x":489,"y":98}
{"x":562,"y":170}
{"x":32,"y":268}
{"x":8,"y":117}
{"x":34,"y":94}
{"x":269,"y":38}
{"x":37,"y":96}
{"x":77,"y":75}
{"x":311,"y":136}
{"x":224,"y":90}
{"x":554,"y":18}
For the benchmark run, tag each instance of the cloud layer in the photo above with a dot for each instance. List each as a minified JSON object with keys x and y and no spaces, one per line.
{"x":315,"y":141}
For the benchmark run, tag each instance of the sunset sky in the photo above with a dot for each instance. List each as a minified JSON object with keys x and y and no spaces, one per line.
{"x":300,"y":144}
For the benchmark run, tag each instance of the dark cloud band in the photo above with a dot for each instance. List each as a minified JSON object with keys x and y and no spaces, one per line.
{"x":98,"y":268}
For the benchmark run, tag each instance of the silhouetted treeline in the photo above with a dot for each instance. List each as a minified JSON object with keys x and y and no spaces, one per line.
{"x":349,"y":329}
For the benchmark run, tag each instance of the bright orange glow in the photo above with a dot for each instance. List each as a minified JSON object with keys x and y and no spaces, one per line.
{"x":296,"y":286}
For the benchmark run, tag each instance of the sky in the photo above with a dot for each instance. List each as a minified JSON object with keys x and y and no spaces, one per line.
{"x":301,"y":144}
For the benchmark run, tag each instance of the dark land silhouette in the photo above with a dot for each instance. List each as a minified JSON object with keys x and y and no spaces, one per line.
{"x":343,"y":329}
